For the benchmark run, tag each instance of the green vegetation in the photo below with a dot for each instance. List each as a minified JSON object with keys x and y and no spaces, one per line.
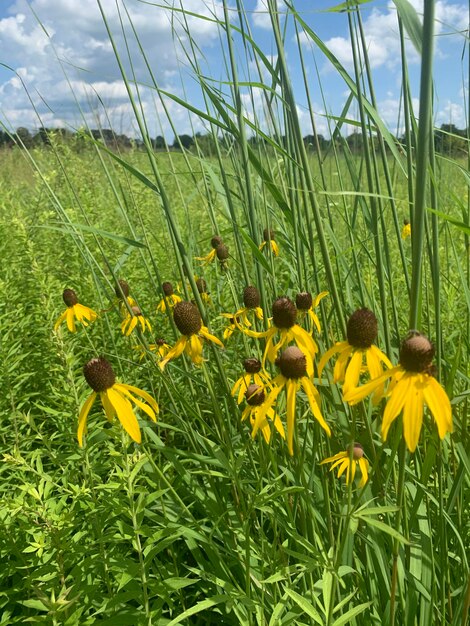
{"x":201,"y":523}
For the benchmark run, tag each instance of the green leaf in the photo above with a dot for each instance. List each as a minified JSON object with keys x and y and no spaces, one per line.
{"x":411,"y":22}
{"x":95,"y":231}
{"x":461,"y":225}
{"x":197,"y":608}
{"x":384,"y":528}
{"x":305,"y":606}
{"x":347,"y":617}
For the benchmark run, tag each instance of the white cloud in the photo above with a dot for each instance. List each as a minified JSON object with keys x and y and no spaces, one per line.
{"x":69,"y":55}
{"x":381,"y":34}
{"x":261,"y":17}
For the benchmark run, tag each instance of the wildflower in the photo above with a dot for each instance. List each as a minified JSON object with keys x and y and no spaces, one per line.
{"x":188,"y":321}
{"x":252,"y":374}
{"x":294,"y":374}
{"x":284,"y":322}
{"x":361,"y":331}
{"x":132,"y":319}
{"x":74,"y":311}
{"x":306,"y":304}
{"x":115,"y":398}
{"x":348,"y":464}
{"x":122,"y":293}
{"x":255,"y":398}
{"x":161,"y":347}
{"x":268,"y":236}
{"x":222,"y":254}
{"x":412,"y":386}
{"x":251,"y":301}
{"x":216,"y":241}
{"x":202,"y":289}
{"x":406,"y":230}
{"x":170,"y":298}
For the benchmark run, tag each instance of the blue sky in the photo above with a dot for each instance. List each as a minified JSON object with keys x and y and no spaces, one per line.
{"x":59,"y":51}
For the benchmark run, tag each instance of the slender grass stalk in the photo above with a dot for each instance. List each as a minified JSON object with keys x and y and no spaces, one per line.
{"x":422,"y":162}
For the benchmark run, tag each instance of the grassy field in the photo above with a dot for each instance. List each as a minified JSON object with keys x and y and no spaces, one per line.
{"x":201,"y":522}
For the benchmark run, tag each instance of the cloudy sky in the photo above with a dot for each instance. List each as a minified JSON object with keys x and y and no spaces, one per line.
{"x":58,"y":67}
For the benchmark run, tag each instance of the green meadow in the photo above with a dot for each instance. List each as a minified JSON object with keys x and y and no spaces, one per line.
{"x":202,"y":517}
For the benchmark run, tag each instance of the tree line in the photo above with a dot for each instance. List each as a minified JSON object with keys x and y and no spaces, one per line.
{"x":448,"y":140}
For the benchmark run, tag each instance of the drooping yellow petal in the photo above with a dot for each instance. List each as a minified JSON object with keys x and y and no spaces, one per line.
{"x":341,"y":364}
{"x":304,"y":340}
{"x":375,"y":370}
{"x":335,"y":457}
{"x":381,"y":356}
{"x":82,"y":418}
{"x":274,"y":248}
{"x":125,"y":413}
{"x":206,"y":334}
{"x":344,"y":466}
{"x":439,"y":405}
{"x":413,"y":412}
{"x":194,"y":349}
{"x":60,"y":319}
{"x":291,"y":388}
{"x":359,"y":393}
{"x":208,"y":258}
{"x":274,"y":417}
{"x":338,"y":347}
{"x":143,"y":394}
{"x":364,"y":467}
{"x":83,"y":311}
{"x":314,"y":402}
{"x":395,"y":403}
{"x":71,"y":319}
{"x":175,"y":352}
{"x":261,"y":245}
{"x":351,"y":376}
{"x":318,"y":298}
{"x":108,"y":407}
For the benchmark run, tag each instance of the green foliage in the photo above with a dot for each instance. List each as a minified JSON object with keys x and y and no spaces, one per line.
{"x":201,"y":524}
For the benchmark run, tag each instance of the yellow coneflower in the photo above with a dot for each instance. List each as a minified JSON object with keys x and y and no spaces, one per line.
{"x":293,"y":376}
{"x":406,"y":230}
{"x":132,"y":319}
{"x":74,"y":311}
{"x":348,"y":464}
{"x":306,"y":304}
{"x":188,"y":321}
{"x":362,"y":330}
{"x":251,"y":301}
{"x":268,"y":237}
{"x":161,"y":347}
{"x":412,"y":386}
{"x":255,"y":397}
{"x":122,"y":293}
{"x":216,"y":241}
{"x":170,"y":298}
{"x":202,"y":290}
{"x":284,"y":322}
{"x":253,"y":374}
{"x":233,"y":325}
{"x":116,"y":399}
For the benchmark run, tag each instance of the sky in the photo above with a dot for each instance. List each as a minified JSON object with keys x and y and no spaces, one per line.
{"x":58,"y":67}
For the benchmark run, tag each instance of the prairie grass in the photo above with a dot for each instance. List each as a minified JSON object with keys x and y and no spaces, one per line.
{"x":201,"y":523}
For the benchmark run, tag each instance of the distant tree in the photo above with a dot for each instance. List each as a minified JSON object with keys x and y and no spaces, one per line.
{"x":184,"y":141}
{"x":23,"y":137}
{"x":450,"y":140}
{"x":159,"y":143}
{"x":206,"y":143}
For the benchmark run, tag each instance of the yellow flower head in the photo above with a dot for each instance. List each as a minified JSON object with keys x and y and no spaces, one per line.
{"x":170,"y":298}
{"x":406,"y":230}
{"x":251,"y":302}
{"x":348,"y":464}
{"x":253,"y":374}
{"x":284,"y":322}
{"x":361,"y":332}
{"x":188,"y":321}
{"x":412,"y":386}
{"x":216,"y":241}
{"x":268,"y":236}
{"x":202,"y":289}
{"x":74,"y":311}
{"x":116,"y":399}
{"x":161,"y":348}
{"x":255,"y":397}
{"x":294,"y":374}
{"x":122,"y":294}
{"x":132,"y":320}
{"x":306,"y":304}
